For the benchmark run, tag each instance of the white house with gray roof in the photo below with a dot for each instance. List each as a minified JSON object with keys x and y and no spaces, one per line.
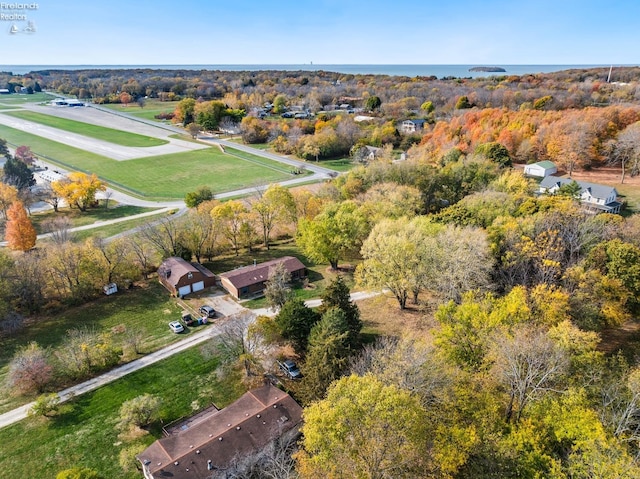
{"x":594,"y":197}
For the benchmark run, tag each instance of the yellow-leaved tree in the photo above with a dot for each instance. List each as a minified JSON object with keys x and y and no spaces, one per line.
{"x":79,"y":189}
{"x":363,"y":429}
{"x":8,"y":196}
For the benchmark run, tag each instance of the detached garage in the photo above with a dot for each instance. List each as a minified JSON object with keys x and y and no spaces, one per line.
{"x":181,"y":277}
{"x":542,"y":169}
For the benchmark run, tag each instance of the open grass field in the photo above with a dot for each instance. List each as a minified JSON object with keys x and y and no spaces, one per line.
{"x":79,"y":218}
{"x":631,"y":195}
{"x":148,"y":309}
{"x":119,"y":137}
{"x":261,"y":160}
{"x":84,"y":434}
{"x":17,"y":99}
{"x":157,"y":177}
{"x":148,"y":112}
{"x":114,"y":229}
{"x":340,"y":164}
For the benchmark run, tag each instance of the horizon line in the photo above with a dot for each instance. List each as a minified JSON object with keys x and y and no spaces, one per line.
{"x":316,"y":64}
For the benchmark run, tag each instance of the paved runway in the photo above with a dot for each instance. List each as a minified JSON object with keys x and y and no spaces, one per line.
{"x":100,"y":147}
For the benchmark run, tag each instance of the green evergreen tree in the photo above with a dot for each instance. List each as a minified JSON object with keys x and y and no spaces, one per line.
{"x":17,"y":173}
{"x":327,"y":354}
{"x":295,"y":321}
{"x":495,"y":152}
{"x":463,"y":103}
{"x":373,"y":103}
{"x":194,"y":198}
{"x":337,"y":295}
{"x":4,"y":150}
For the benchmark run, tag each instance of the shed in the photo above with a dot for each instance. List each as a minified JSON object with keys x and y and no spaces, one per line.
{"x":181,"y":277}
{"x":249,"y":281}
{"x":541,"y":169}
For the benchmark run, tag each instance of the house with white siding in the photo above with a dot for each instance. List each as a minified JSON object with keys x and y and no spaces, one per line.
{"x":593,"y":196}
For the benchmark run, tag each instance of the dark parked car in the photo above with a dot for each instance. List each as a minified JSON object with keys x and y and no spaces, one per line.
{"x":208,"y":311}
{"x":187,"y":319}
{"x":290,"y":369}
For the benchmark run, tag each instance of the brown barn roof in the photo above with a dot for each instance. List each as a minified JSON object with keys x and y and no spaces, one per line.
{"x":176,"y":268}
{"x":239,"y":430}
{"x":253,"y":274}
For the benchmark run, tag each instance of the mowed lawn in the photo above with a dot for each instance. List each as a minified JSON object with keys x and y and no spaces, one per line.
{"x":630,"y":194}
{"x":18,"y":99}
{"x":84,"y":432}
{"x":157,"y":177}
{"x":116,"y":228}
{"x":148,"y":309}
{"x":148,"y":112}
{"x":92,"y":215}
{"x":118,"y":137}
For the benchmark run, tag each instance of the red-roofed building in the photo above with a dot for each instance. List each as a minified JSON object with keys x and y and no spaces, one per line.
{"x":181,"y":277}
{"x":209,"y":445}
{"x":249,"y":281}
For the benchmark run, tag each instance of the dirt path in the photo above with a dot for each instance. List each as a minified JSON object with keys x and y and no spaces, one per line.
{"x":615,"y":339}
{"x":607,"y":175}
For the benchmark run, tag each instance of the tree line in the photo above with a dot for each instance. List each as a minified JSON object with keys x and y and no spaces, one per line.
{"x":569,"y":89}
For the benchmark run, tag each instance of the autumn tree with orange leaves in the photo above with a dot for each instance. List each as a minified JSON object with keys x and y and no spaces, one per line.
{"x":20,"y":234}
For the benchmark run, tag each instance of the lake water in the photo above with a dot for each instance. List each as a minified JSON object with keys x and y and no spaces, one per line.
{"x":439,"y":71}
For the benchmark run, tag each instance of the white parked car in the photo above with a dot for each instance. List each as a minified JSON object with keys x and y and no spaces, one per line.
{"x":176,"y":326}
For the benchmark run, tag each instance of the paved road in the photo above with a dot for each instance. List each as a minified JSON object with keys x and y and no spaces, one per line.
{"x":200,"y":337}
{"x":99,"y":224}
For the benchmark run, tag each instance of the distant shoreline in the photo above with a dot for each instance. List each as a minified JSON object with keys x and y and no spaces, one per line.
{"x":439,"y":71}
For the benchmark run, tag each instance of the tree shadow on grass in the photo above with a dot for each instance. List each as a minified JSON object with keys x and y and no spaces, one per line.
{"x":69,"y":413}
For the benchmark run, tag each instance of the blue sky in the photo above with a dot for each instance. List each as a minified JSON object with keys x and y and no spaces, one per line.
{"x":296,"y":32}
